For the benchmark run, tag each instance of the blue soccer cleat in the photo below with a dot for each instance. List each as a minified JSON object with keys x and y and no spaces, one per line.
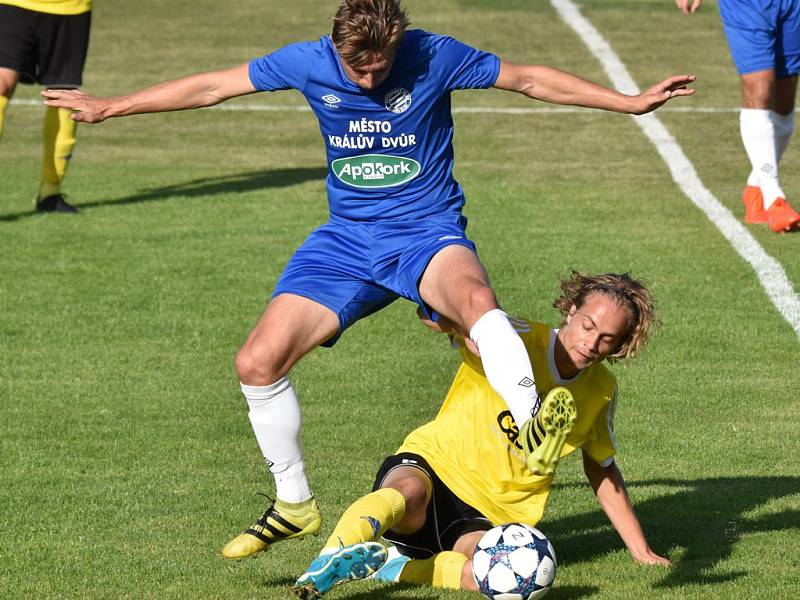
{"x":349,"y":563}
{"x":391,"y":569}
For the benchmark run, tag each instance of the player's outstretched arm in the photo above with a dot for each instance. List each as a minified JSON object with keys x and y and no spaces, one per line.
{"x":612,"y":495}
{"x":559,"y":87}
{"x":688,"y":6}
{"x":194,"y":91}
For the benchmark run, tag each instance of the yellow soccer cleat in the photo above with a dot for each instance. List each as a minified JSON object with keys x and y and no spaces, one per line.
{"x":543,"y":436}
{"x":281,"y":521}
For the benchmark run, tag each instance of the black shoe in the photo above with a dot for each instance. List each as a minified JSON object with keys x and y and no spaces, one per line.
{"x":55,"y":203}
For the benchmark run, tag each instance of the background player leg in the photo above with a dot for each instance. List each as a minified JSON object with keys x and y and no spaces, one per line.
{"x":762,"y":130}
{"x":8,"y":83}
{"x":58,"y":142}
{"x":783,"y":113}
{"x":290,"y":327}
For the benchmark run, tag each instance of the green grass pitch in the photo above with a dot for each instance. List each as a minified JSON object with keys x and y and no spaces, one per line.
{"x":126,"y":457}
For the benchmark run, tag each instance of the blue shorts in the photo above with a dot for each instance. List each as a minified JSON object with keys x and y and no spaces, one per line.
{"x":356,"y":269}
{"x":763,"y":34}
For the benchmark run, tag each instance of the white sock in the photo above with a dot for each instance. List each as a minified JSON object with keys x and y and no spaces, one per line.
{"x":276,"y":419}
{"x":506,"y":363}
{"x":758,"y":137}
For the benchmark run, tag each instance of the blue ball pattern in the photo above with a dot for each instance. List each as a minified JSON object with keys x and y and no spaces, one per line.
{"x":532,"y":546}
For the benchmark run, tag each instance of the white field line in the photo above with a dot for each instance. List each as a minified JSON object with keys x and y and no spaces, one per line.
{"x":257,"y":107}
{"x":769,"y":271}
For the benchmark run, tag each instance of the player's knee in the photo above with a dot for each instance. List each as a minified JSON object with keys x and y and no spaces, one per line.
{"x":257,"y":366}
{"x":416,"y":493}
{"x":757,"y":93}
{"x":481,"y":300}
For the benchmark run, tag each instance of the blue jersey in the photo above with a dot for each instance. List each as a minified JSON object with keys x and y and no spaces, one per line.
{"x":389,"y":150}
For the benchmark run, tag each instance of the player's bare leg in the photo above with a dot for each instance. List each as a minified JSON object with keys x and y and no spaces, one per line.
{"x":290,"y":327}
{"x":456,"y":285}
{"x":8,"y":83}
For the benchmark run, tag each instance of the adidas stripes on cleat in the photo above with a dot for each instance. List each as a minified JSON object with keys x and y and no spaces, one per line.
{"x":349,"y":563}
{"x":281,"y":521}
{"x":544,"y":435}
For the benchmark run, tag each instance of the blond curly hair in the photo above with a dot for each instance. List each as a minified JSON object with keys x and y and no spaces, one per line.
{"x":629,"y":293}
{"x":366,"y":29}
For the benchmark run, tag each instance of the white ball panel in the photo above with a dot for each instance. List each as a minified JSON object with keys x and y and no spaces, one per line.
{"x":480,"y":564}
{"x":524,"y":561}
{"x":517,"y":535}
{"x":546,"y":572}
{"x":502,"y":578}
{"x":491,"y":537}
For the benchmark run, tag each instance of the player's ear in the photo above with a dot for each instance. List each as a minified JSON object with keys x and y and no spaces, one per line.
{"x":572,"y":310}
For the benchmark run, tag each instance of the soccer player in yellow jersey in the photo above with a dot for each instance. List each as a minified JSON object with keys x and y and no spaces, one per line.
{"x":464,"y":472}
{"x":45,"y":41}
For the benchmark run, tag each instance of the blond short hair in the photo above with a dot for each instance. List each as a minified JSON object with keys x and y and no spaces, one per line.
{"x":364,"y":30}
{"x":629,"y":293}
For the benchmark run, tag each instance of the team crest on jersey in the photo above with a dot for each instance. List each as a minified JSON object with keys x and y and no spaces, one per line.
{"x":397,"y":100}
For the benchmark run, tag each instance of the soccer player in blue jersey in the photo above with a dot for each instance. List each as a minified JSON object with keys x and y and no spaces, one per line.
{"x":381,"y":94}
{"x":764,"y":39}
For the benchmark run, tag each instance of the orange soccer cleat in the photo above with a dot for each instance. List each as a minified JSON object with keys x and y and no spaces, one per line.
{"x":753,"y":202}
{"x":781,"y":216}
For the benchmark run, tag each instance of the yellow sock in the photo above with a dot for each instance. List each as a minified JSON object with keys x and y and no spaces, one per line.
{"x":442,"y":570}
{"x":3,"y":105}
{"x":59,"y":140}
{"x":367,"y":518}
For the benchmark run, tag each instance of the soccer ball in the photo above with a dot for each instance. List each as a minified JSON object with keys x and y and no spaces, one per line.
{"x":514,"y":562}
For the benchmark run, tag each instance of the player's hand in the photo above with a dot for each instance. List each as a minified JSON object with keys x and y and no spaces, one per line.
{"x":688,"y":6}
{"x":648,"y":557}
{"x":660,"y":93}
{"x":86,"y":108}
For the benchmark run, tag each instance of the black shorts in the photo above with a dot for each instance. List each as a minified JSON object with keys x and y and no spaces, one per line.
{"x":44,"y":48}
{"x":448,"y":517}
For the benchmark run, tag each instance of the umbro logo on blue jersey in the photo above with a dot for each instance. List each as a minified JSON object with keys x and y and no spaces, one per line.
{"x":331,"y":101}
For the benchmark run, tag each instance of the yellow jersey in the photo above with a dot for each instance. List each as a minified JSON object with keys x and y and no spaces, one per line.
{"x":53,"y":7}
{"x":472,"y":443}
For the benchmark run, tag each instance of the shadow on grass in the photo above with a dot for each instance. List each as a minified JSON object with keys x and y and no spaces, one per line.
{"x":227,"y":184}
{"x":706,"y":517}
{"x":403,"y":591}
{"x":703,"y":517}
